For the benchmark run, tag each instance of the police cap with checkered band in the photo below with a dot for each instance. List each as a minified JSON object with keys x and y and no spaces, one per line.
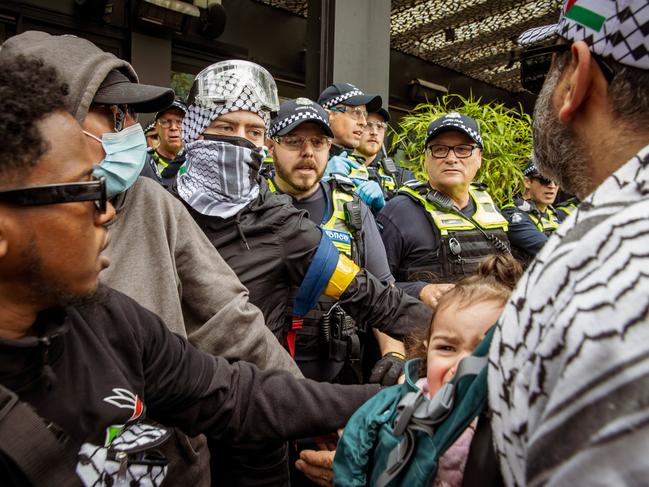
{"x":454,"y":121}
{"x":294,"y":113}
{"x":348,"y":94}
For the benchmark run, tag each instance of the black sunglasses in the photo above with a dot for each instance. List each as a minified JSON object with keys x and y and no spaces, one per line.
{"x":537,"y":61}
{"x":544,"y":181}
{"x":535,"y":64}
{"x":51,"y":194}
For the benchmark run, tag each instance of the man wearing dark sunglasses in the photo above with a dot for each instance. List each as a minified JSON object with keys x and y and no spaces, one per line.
{"x":159,"y":256}
{"x":569,"y":363}
{"x":532,"y":218}
{"x":84,"y":368}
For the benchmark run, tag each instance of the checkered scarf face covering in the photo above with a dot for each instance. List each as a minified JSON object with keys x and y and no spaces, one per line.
{"x":220,"y":178}
{"x":199,"y":117}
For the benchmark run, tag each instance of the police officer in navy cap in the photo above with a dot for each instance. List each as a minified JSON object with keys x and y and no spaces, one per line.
{"x":437,"y":232}
{"x":531,"y":217}
{"x":348,"y":109}
{"x":330,"y":344}
{"x":381,"y":168}
{"x":166,"y":160}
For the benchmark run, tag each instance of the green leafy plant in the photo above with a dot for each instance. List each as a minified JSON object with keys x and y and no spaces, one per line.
{"x":506,"y":133}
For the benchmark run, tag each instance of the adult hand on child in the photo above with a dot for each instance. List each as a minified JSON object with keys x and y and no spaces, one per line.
{"x":317,"y":466}
{"x":431,"y":293}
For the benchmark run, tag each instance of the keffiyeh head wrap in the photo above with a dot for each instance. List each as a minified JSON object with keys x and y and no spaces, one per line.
{"x":199,"y":117}
{"x":222,"y":171}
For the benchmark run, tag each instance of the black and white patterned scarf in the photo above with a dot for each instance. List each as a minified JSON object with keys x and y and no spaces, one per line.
{"x":199,"y":117}
{"x":221,"y":176}
{"x":569,"y":361}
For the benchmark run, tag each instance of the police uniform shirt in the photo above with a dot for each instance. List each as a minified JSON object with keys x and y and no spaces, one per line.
{"x":522,"y":231}
{"x":373,"y":249}
{"x":409,"y":236}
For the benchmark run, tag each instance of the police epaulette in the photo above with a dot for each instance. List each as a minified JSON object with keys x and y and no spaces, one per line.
{"x":479,"y":185}
{"x":342,"y":182}
{"x":416,"y":185}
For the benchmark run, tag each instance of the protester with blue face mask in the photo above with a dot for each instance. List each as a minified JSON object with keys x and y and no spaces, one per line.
{"x":125,"y":155}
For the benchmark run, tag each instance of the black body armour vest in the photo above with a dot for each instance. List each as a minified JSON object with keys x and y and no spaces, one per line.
{"x":464,"y":241}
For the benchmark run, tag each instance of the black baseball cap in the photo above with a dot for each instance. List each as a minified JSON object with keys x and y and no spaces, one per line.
{"x":348,"y":94}
{"x":530,"y":169}
{"x":383,"y":112}
{"x":454,"y":121}
{"x":293,"y":113}
{"x":177,"y":104}
{"x":117,"y":89}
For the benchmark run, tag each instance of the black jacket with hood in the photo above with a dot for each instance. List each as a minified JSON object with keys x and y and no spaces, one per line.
{"x":270,"y":244}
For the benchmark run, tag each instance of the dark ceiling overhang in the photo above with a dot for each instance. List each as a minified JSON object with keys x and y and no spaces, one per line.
{"x":473,"y":37}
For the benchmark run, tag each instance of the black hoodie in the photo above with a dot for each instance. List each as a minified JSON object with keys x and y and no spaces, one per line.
{"x":270,"y":244}
{"x":112,"y":361}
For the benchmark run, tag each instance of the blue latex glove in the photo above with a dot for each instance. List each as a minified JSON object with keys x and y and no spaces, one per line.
{"x":371,"y":194}
{"x":340,"y":164}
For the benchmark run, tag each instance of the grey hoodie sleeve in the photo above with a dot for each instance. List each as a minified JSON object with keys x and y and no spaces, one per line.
{"x":162,"y":259}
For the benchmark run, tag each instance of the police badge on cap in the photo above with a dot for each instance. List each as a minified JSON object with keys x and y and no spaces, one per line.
{"x":455,"y":121}
{"x":294,"y":113}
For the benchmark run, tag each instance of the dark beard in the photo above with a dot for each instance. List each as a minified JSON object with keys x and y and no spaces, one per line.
{"x":286,"y":177}
{"x":559,"y":153}
{"x":51,"y":293}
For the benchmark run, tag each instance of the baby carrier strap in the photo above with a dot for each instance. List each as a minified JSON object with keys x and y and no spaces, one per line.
{"x":482,"y":465}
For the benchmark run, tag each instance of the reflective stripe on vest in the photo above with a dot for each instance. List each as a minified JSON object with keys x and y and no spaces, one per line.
{"x":486,"y":214}
{"x":548,"y":223}
{"x":336,"y":227}
{"x":387,"y":181}
{"x":359,"y":173}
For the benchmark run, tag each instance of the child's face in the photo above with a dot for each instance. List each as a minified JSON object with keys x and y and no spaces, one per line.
{"x":456,"y":334}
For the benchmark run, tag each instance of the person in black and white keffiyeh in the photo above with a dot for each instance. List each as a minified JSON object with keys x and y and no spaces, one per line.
{"x":569,"y":363}
{"x":221,"y":172}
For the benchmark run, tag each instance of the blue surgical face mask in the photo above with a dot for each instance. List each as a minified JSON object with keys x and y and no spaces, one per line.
{"x":125,"y":156}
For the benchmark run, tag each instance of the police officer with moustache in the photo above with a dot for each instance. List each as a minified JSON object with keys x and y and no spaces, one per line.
{"x":438,"y":231}
{"x":348,"y":107}
{"x":330,"y":345}
{"x":380,"y":167}
{"x":166,"y":160}
{"x":532,"y":219}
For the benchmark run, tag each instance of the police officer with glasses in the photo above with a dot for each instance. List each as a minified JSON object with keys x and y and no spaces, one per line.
{"x":437,"y":232}
{"x":330,"y":345}
{"x":348,"y":109}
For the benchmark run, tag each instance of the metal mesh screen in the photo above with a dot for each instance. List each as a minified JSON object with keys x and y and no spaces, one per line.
{"x":472,"y":37}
